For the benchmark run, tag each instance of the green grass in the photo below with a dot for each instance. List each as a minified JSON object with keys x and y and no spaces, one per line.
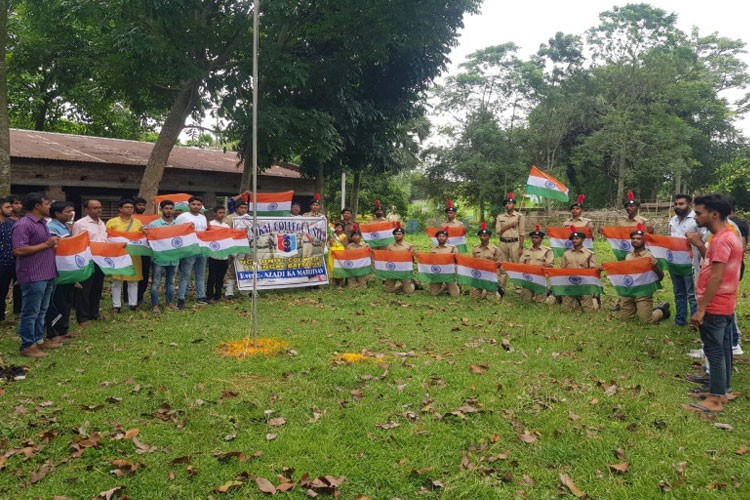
{"x":555,"y":383}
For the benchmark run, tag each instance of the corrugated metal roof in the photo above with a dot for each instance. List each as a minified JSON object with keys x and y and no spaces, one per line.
{"x":86,"y":149}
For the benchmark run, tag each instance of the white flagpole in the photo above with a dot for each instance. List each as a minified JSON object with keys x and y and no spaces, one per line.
{"x":256,"y":5}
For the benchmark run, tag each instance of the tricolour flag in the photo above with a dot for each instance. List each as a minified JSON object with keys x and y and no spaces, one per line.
{"x":112,"y":258}
{"x":135,"y":241}
{"x":456,"y":236}
{"x":220,"y":242}
{"x":546,"y":186}
{"x":558,"y":239}
{"x":180,"y":200}
{"x":273,"y":204}
{"x":171,"y":243}
{"x":436,"y":267}
{"x":351,"y":263}
{"x":146,"y":219}
{"x":574,"y":282}
{"x":527,"y":276}
{"x":476,"y":272}
{"x":378,"y":234}
{"x":619,"y":239}
{"x":73,"y":259}
{"x":393,"y":265}
{"x":633,"y":278}
{"x":673,"y":253}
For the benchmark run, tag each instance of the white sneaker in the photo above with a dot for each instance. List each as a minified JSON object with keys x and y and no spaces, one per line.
{"x":697,"y":354}
{"x":737,"y":350}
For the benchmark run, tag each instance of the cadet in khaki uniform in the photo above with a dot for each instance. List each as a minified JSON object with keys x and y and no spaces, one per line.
{"x":510,"y":231}
{"x":354,"y":244}
{"x":643,"y":306}
{"x":314,"y":207}
{"x":631,"y":217}
{"x":450,"y":216}
{"x":348,"y":221}
{"x":379,"y":212}
{"x":578,"y":257}
{"x":443,"y":247}
{"x":576,"y":215}
{"x":485,"y":250}
{"x":537,"y":255}
{"x":391,"y":285}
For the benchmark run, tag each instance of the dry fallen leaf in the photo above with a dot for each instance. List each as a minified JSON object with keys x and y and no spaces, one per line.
{"x":620,"y":468}
{"x":229,"y":486}
{"x":568,"y":483}
{"x":265,"y":485}
{"x":527,"y":437}
{"x":109,"y":494}
{"x":277,"y":422}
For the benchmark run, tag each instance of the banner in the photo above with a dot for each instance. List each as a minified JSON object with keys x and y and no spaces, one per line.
{"x":291,"y":252}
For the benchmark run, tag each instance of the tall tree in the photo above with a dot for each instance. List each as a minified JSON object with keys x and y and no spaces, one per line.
{"x":4,"y":127}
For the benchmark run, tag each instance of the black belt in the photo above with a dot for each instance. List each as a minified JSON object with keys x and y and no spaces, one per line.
{"x":508,"y":240}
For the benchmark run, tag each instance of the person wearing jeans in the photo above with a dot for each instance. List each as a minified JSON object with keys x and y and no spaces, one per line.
{"x":163,"y":269}
{"x":680,"y":225}
{"x":684,"y":295}
{"x":196,"y":263}
{"x":34,"y":248}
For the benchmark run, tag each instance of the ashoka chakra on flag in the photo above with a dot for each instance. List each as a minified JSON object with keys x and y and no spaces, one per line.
{"x":80,"y":261}
{"x":391,"y":266}
{"x":436,"y":269}
{"x":177,"y":242}
{"x":348,"y":264}
{"x":109,"y":262}
{"x":576,"y":280}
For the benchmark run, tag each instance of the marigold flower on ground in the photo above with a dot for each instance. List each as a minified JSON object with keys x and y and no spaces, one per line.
{"x":244,"y":347}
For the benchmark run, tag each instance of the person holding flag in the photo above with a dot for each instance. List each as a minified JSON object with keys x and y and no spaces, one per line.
{"x":347,"y":219}
{"x":578,"y":257}
{"x":126,"y":223}
{"x":57,"y":320}
{"x":379,"y":212}
{"x":450,"y":216}
{"x":337,"y":240}
{"x":443,"y":247}
{"x":356,"y":243}
{"x":510,"y":231}
{"x":576,"y":216}
{"x":631,"y":218}
{"x":399,"y":245}
{"x":537,"y":255}
{"x":163,"y":269}
{"x":636,"y":282}
{"x":488,"y":251}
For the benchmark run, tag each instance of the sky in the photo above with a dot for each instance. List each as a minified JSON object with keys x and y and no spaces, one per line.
{"x":530,"y":23}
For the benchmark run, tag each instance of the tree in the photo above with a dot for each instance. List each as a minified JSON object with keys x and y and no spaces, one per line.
{"x":4,"y":127}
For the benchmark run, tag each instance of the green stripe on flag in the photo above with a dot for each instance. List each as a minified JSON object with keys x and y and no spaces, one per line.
{"x":141,"y":250}
{"x":77,"y":276}
{"x":393,"y":275}
{"x":530,"y":285}
{"x":675,"y":269}
{"x":436,"y":278}
{"x":558,"y":251}
{"x":619,"y":254}
{"x":462,"y":248}
{"x":546,"y":193}
{"x":123,"y":271}
{"x":168,"y":257}
{"x":340,"y":272}
{"x":575,"y":290}
{"x":384,"y":242}
{"x":638,"y":291}
{"x":477,"y":283}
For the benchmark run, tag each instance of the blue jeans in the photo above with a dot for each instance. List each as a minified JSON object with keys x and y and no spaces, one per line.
{"x":684,"y":293}
{"x":716,"y":334}
{"x":35,"y":297}
{"x":195,"y":263}
{"x":157,"y":274}
{"x":736,"y":333}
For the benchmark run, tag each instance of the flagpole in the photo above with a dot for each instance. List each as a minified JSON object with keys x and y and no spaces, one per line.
{"x":256,"y":5}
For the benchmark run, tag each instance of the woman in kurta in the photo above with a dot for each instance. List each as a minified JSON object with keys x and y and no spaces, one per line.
{"x":126,"y":223}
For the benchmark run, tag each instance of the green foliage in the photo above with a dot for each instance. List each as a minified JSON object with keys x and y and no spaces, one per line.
{"x":734,"y":178}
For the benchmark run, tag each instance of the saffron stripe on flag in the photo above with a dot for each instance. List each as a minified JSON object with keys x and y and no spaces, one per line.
{"x":436,"y":267}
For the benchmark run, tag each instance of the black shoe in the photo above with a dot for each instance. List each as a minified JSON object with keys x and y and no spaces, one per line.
{"x":616,"y":308}
{"x":180,"y":304}
{"x":500,"y":291}
{"x":664,"y":306}
{"x":18,"y":372}
{"x":117,"y":310}
{"x":697,"y":379}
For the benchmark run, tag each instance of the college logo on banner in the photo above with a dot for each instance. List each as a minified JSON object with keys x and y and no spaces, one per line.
{"x":287,"y":242}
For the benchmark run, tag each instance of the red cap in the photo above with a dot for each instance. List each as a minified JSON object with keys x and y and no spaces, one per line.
{"x":573,"y":229}
{"x":483,"y":226}
{"x":631,"y":196}
{"x":537,"y":228}
{"x":449,"y":203}
{"x":317,"y":197}
{"x":581,"y":197}
{"x":640,"y":227}
{"x":398,"y":225}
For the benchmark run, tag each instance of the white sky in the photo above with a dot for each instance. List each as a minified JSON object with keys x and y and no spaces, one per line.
{"x":532,"y":22}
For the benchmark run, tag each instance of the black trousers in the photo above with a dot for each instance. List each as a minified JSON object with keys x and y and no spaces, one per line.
{"x":217,"y":269}
{"x":57,"y":321}
{"x":87,"y":297}
{"x":7,"y":272}
{"x":143,"y":284}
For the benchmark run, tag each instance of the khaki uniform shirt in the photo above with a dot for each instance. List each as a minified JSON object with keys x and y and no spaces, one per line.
{"x":444,"y":249}
{"x":505,"y":219}
{"x":453,"y":223}
{"x":542,"y":256}
{"x":310,"y":214}
{"x":380,"y":219}
{"x":626,"y":221}
{"x":353,"y":246}
{"x":490,"y":252}
{"x":400,"y":247}
{"x":579,"y":222}
{"x":637,"y":255}
{"x":578,"y":259}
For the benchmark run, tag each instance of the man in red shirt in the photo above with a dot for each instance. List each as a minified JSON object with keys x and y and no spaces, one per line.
{"x":716,"y":291}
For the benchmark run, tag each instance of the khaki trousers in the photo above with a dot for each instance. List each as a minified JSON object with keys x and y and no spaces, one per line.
{"x":586,"y":302}
{"x":395,"y":286}
{"x":641,"y":306}
{"x":438,"y":288}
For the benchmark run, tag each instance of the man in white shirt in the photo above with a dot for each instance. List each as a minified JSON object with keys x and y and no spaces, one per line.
{"x":195,"y":263}
{"x":87,"y":297}
{"x":684,"y":286}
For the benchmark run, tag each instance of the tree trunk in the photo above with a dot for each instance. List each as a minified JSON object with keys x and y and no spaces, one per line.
{"x":247,"y":169}
{"x":4,"y":126}
{"x":481,"y":210}
{"x":354,"y":194}
{"x":182,"y":107}
{"x":320,"y":179}
{"x":620,"y":179}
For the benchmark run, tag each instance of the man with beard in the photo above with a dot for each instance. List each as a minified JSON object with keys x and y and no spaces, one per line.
{"x":140,"y":209}
{"x":683,"y":287}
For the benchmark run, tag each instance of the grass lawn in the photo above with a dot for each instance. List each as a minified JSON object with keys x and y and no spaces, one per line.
{"x":454,"y":399}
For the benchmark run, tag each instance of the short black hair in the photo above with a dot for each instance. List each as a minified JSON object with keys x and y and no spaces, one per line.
{"x":125,"y":201}
{"x":59,"y":206}
{"x":138,"y":199}
{"x":166,"y":203}
{"x":4,"y":200}
{"x":346,"y":209}
{"x":86,"y":203}
{"x":32,"y":199}
{"x":14,"y":197}
{"x":195,"y":198}
{"x":715,"y":203}
{"x":219,"y":207}
{"x":681,"y":196}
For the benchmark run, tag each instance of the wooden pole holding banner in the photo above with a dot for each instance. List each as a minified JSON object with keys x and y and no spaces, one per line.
{"x":343,"y":190}
{"x":256,"y":5}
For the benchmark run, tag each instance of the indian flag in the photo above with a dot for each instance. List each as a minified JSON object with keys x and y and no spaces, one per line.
{"x":619,"y":239}
{"x":171,"y":243}
{"x":393,"y":265}
{"x":673,"y":253}
{"x":273,"y":204}
{"x":436,"y":267}
{"x":351,"y":263}
{"x":546,"y":186}
{"x":378,"y":234}
{"x":527,"y":276}
{"x":221,"y":242}
{"x":112,"y":258}
{"x":180,"y":200}
{"x":456,"y":236}
{"x":146,"y":219}
{"x":73,"y":259}
{"x":633,"y":278}
{"x":558,"y":239}
{"x":135,"y":241}
{"x":476,"y":272}
{"x":574,"y":282}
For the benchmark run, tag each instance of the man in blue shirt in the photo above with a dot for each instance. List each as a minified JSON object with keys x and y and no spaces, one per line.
{"x":57,"y":320}
{"x":167,"y":270}
{"x":7,"y":260}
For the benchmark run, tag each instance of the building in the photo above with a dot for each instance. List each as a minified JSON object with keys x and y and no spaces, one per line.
{"x":77,"y":168}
